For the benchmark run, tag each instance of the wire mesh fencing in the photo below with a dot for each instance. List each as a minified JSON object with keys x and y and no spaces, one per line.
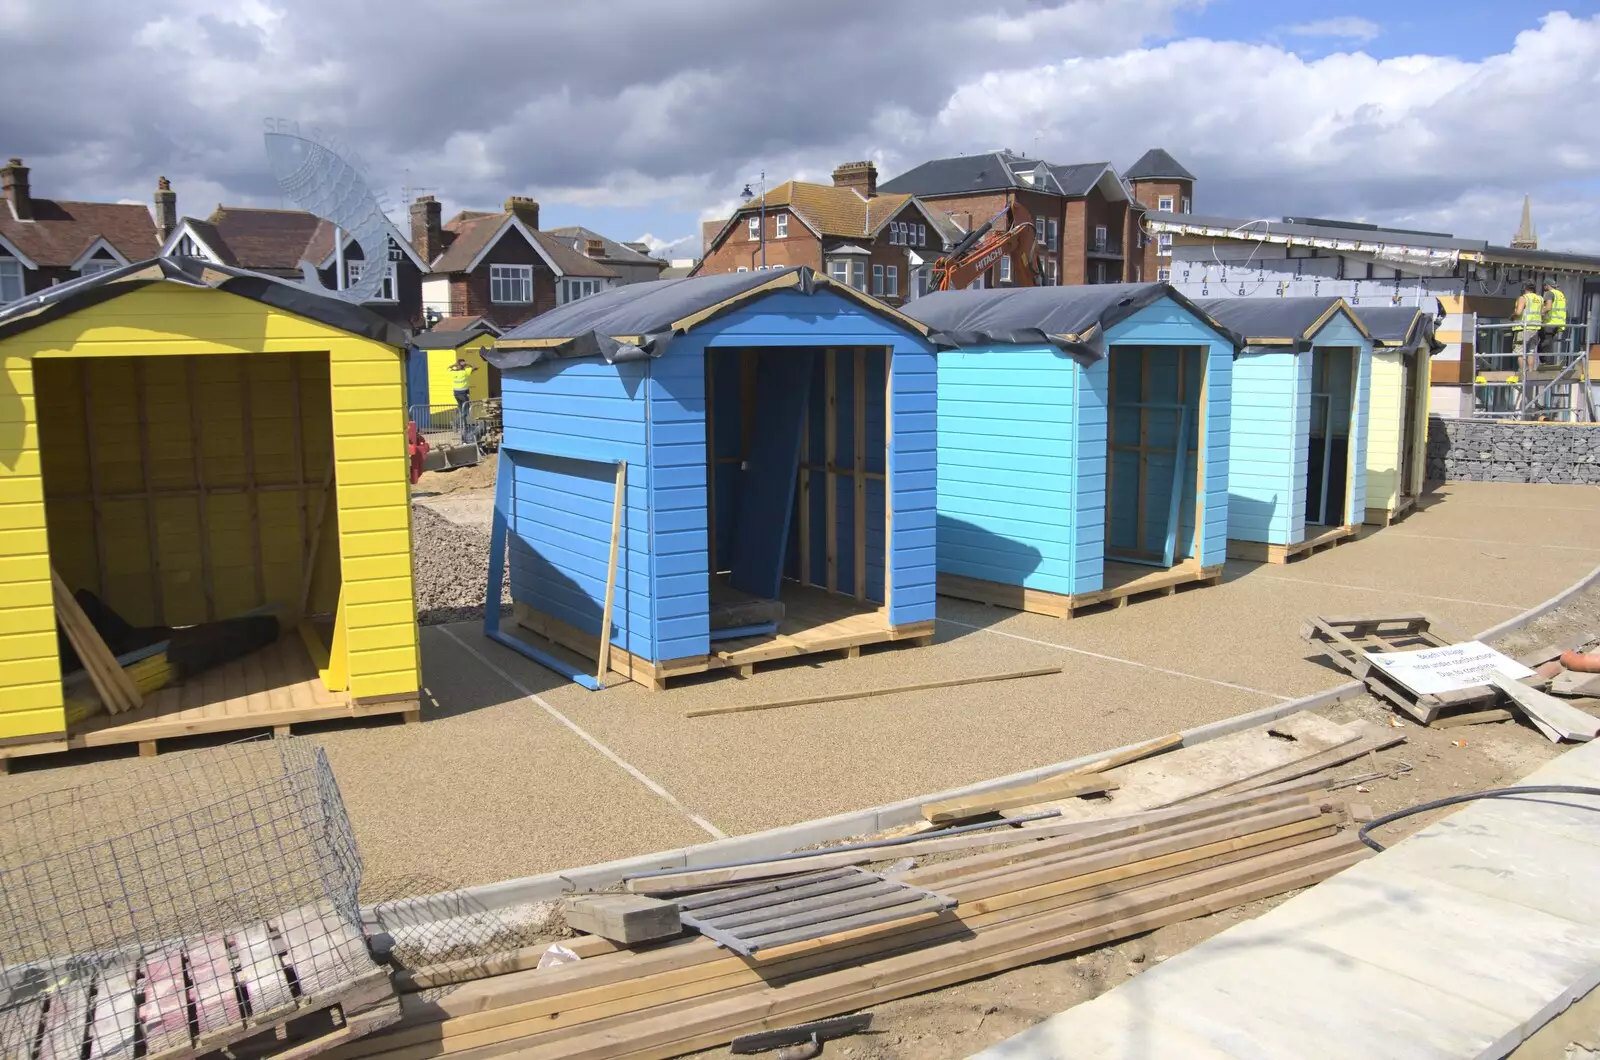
{"x":190,"y":892}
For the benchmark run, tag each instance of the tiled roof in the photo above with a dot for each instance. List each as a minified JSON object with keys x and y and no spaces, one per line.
{"x":266,"y":239}
{"x":994,"y":171}
{"x":474,"y":231}
{"x":1155,"y":164}
{"x":466,"y":324}
{"x":830,"y":210}
{"x":575,"y":236}
{"x":212,"y":238}
{"x":61,"y":231}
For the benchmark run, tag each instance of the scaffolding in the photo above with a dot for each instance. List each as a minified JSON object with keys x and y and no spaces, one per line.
{"x":1553,"y":384}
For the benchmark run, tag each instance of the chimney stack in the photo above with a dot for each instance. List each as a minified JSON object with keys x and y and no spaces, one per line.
{"x":166,"y":210}
{"x":14,"y":188}
{"x":525,"y":209}
{"x":427,"y":231}
{"x":862,"y":176}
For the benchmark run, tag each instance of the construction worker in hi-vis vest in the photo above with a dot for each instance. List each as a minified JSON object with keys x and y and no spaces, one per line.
{"x":1555,"y":319}
{"x":1529,"y":315}
{"x":461,"y":389}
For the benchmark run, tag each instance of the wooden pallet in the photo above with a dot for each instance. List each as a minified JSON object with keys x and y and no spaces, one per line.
{"x":274,"y":688}
{"x":1345,"y":642}
{"x":285,"y":988}
{"x":815,"y":622}
{"x":1123,"y":584}
{"x":1262,"y":552}
{"x":1390,"y":516}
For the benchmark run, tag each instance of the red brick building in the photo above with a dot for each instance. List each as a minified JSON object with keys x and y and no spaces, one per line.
{"x":1085,"y":216}
{"x":878,"y":243}
{"x":499,"y":266}
{"x":1160,"y":185}
{"x":49,"y":241}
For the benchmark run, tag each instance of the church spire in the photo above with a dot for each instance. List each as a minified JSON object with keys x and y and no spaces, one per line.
{"x":1527,"y":237}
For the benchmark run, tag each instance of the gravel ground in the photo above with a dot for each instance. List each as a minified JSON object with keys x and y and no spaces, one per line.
{"x":450,"y":568}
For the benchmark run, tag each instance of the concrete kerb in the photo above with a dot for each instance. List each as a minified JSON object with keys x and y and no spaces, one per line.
{"x":434,"y":912}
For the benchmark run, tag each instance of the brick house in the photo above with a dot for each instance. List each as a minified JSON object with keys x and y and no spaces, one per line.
{"x":1160,"y":185}
{"x":878,"y":243}
{"x":276,"y":241}
{"x":631,"y":262}
{"x":498,"y":266}
{"x":49,"y":241}
{"x":1083,"y":215}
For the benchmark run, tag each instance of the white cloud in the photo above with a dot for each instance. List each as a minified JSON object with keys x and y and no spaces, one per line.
{"x":668,"y":249}
{"x":1345,"y":27}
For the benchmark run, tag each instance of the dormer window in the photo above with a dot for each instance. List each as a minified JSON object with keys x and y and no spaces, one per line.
{"x":10,"y":279}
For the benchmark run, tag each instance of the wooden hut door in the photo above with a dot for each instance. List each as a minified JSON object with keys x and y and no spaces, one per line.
{"x":1152,"y":425}
{"x":767,"y":490}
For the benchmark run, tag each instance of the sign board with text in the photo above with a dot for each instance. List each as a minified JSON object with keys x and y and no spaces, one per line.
{"x":1448,"y":669}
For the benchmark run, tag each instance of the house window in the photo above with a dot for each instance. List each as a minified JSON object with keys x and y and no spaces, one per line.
{"x":839,"y":270}
{"x":741,"y":268}
{"x":877,"y":280}
{"x":891,"y":283}
{"x":1099,"y":272}
{"x":1005,"y":268}
{"x":188,"y":248}
{"x":1163,"y":275}
{"x":511,"y":284}
{"x":1051,"y":277}
{"x":1164,"y":241}
{"x":1186,"y":204}
{"x":10,"y":280}
{"x":894,"y":233}
{"x":783,"y":226}
{"x":1099,"y":237}
{"x":354,"y":270}
{"x":1055,"y":234}
{"x":572,"y":290}
{"x":922,"y":235}
{"x":753,"y":226}
{"x":1038,"y":230}
{"x":858,"y":275}
{"x":1164,"y":204}
{"x":96,"y":266}
{"x":1138,"y":273}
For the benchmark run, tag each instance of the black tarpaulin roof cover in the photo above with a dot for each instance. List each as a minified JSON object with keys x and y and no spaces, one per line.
{"x":1074,"y":319}
{"x":1400,"y":325}
{"x":64,"y":299}
{"x":640,"y":319}
{"x":1277,"y":321}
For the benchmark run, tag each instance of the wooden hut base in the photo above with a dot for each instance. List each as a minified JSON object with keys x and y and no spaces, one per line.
{"x":274,"y":688}
{"x":1122,"y":582}
{"x":1386,"y":516}
{"x":1262,"y":552}
{"x":814,"y":621}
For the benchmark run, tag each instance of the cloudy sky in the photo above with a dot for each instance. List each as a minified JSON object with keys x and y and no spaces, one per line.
{"x":639,"y":117}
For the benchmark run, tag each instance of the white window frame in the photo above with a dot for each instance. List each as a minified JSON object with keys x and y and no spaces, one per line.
{"x":1186,"y":204}
{"x":839,"y":270}
{"x":922,"y":235}
{"x":95,"y":266}
{"x":189,"y":247}
{"x":741,"y":268}
{"x":753,"y":226}
{"x":1055,"y":234}
{"x":858,"y":275}
{"x":1005,"y":268}
{"x":581,"y":287}
{"x":891,"y":281}
{"x":1052,"y":277}
{"x":510,"y":284}
{"x":356,"y":268}
{"x":1164,"y":204}
{"x":1163,"y":274}
{"x":894,"y":233}
{"x":877,"y":280}
{"x":1164,"y":243}
{"x":1102,"y":237}
{"x":1099,"y":272}
{"x":781,"y":226}
{"x":13,"y":282}
{"x":1038,"y":231}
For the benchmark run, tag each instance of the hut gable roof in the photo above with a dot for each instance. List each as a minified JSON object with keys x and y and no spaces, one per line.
{"x":1279,"y":321}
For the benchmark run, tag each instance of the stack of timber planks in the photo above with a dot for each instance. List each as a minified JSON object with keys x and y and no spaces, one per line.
{"x":1027,"y":894}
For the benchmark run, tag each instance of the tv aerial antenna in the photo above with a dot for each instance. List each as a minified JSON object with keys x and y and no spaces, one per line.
{"x":316,"y":177}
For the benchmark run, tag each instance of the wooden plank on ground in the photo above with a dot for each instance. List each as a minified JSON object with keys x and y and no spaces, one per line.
{"x":112,"y":1034}
{"x":1476,"y":717}
{"x":66,"y":1021}
{"x":626,"y":918}
{"x":164,"y":1013}
{"x":215,"y":999}
{"x":1148,"y":749}
{"x":890,"y":690}
{"x":261,"y":971}
{"x":966,"y":806}
{"x":1550,"y":714}
{"x":1573,"y":683}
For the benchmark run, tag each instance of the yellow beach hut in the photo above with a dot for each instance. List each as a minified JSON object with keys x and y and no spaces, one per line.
{"x":1403,"y":345}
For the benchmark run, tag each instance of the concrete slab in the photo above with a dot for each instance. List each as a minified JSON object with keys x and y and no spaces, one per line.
{"x":1517,"y":495}
{"x":1458,"y":941}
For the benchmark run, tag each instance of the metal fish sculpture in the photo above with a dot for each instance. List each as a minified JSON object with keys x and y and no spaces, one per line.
{"x":320,"y":182}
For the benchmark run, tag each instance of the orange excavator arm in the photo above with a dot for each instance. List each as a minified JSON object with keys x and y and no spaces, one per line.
{"x":985,"y":245}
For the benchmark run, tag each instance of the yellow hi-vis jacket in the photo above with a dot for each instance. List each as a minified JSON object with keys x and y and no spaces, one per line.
{"x":460,"y":378}
{"x":1555,"y":309}
{"x":1532,"y":312}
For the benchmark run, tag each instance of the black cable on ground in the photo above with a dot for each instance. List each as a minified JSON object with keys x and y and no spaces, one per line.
{"x":1491,"y":793}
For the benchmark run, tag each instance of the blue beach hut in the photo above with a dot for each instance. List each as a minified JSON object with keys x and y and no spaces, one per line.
{"x":1301,"y":388}
{"x":1083,"y":443}
{"x":718,"y":471}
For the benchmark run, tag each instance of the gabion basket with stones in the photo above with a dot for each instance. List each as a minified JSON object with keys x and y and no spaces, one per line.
{"x":177,"y":876}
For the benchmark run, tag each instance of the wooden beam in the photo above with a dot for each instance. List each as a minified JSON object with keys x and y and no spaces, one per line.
{"x":803,"y":497}
{"x":93,"y":461}
{"x":116,"y":688}
{"x":1201,"y":422}
{"x":859,"y":357}
{"x":253,"y":503}
{"x":298,"y":445}
{"x":308,"y":569}
{"x":202,"y":500}
{"x":1052,"y":790}
{"x":141,"y":397}
{"x":888,"y":482}
{"x":1111,"y":435}
{"x":618,"y":500}
{"x":712,"y":460}
{"x":1149,"y":748}
{"x":1144,"y":446}
{"x":625,"y":918}
{"x":830,"y":455}
{"x":891,"y":690}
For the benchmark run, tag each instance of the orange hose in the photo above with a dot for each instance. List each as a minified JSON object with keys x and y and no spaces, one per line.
{"x":1583,"y":662}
